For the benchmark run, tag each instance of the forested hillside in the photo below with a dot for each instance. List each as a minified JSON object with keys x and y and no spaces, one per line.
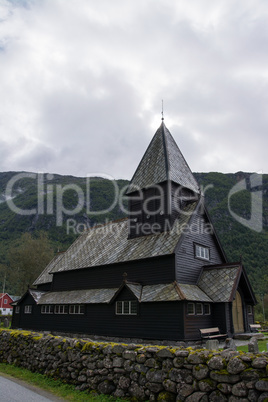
{"x":31,"y":203}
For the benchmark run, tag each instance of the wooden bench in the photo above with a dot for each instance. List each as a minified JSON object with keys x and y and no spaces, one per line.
{"x":211,"y":333}
{"x":255,"y":327}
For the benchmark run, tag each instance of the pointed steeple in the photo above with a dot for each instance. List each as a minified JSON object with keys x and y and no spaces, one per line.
{"x":162,"y":186}
{"x":163,"y":161}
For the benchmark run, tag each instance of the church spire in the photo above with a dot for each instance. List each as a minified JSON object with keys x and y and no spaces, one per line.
{"x":162,"y":184}
{"x":163,"y":161}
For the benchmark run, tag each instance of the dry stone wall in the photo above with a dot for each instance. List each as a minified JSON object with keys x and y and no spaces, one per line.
{"x":154,"y":373}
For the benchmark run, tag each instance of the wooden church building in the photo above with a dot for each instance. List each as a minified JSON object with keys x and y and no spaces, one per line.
{"x":160,"y":273}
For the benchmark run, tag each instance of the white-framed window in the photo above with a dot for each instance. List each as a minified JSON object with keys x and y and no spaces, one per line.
{"x":190,"y":308}
{"x":250,"y":309}
{"x":47,"y":309}
{"x":199,"y":309}
{"x":202,"y":252}
{"x":61,"y":309}
{"x":28,"y":309}
{"x":17,"y":309}
{"x":76,"y":309}
{"x":126,"y":307}
{"x":207,"y":310}
{"x":5,"y":301}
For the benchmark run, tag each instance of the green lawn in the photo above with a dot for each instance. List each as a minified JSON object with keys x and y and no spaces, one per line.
{"x":261,"y":343}
{"x":56,"y":387}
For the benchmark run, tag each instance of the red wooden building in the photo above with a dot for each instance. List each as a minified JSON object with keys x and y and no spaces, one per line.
{"x":5,"y":303}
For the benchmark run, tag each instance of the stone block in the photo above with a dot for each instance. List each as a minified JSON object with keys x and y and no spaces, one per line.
{"x":253,"y":346}
{"x":212,"y":344}
{"x":229,"y":344}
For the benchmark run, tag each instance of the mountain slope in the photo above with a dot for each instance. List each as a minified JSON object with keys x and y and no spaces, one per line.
{"x":64,"y":206}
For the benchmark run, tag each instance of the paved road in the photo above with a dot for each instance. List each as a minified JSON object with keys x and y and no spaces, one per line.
{"x":13,"y":390}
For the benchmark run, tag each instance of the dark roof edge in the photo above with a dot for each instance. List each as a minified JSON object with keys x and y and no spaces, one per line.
{"x":167,"y":164}
{"x":236,"y":283}
{"x":224,"y":265}
{"x":249,"y":285}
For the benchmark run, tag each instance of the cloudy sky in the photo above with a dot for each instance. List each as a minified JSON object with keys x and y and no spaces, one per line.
{"x":82,"y":81}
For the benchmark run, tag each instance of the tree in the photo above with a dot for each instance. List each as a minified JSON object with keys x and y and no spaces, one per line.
{"x":27,"y":258}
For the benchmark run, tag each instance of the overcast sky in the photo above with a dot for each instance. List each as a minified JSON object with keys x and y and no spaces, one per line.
{"x":82,"y":81}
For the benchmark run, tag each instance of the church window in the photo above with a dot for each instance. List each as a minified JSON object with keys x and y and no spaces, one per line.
{"x":28,"y":309}
{"x":47,"y":309}
{"x":61,"y":309}
{"x":250,"y":309}
{"x":202,"y":252}
{"x":126,"y":307}
{"x":190,"y":308}
{"x":207,"y":310}
{"x":76,"y":309}
{"x":199,"y":308}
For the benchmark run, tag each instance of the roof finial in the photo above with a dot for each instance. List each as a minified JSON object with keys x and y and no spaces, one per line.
{"x":162,"y":110}
{"x":125,"y":277}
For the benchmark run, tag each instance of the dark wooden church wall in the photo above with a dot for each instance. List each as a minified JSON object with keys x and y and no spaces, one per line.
{"x":180,"y":196}
{"x":153,"y":209}
{"x":45,"y":286}
{"x":147,"y":272}
{"x":222,"y":317}
{"x":22,"y":320}
{"x":188,"y":267}
{"x":193,"y":324}
{"x":161,"y":321}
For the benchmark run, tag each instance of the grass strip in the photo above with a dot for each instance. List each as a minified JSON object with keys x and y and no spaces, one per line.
{"x":261,"y":343}
{"x":56,"y":387}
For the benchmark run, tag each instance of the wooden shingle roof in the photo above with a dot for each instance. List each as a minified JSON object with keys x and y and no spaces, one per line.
{"x":220,"y":282}
{"x":163,"y":161}
{"x":149,"y":293}
{"x":109,"y":244}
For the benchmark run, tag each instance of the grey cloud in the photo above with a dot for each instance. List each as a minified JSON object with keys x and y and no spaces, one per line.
{"x":82,"y":85}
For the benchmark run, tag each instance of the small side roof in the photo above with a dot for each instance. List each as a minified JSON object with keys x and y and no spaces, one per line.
{"x":150,"y":293}
{"x":86,"y":296}
{"x":220,"y":282}
{"x":36,"y":295}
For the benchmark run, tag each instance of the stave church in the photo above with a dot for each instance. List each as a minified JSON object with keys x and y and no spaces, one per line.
{"x":160,"y":273}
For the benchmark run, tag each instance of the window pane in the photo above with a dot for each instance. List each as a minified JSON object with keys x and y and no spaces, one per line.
{"x":250,"y":309}
{"x":202,"y":252}
{"x":199,"y":308}
{"x":82,"y":309}
{"x":119,"y":307}
{"x":126,"y":307}
{"x":207,"y":309}
{"x":190,"y":308}
{"x":133,"y":307}
{"x":28,"y":309}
